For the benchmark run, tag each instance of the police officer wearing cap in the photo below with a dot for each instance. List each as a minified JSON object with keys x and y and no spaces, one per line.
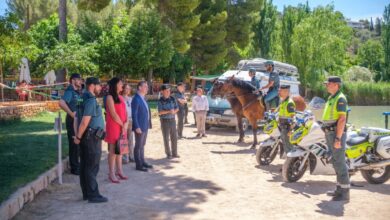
{"x":182,"y":103}
{"x":68,"y":103}
{"x":334,"y":120}
{"x":272,"y":86}
{"x":167,"y":109}
{"x":254,"y":81}
{"x":89,"y":126}
{"x":286,"y":116}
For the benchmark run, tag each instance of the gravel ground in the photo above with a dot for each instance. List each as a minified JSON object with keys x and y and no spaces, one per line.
{"x":215,"y":178}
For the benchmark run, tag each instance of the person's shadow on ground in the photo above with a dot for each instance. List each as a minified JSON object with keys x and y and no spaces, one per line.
{"x":331,"y":208}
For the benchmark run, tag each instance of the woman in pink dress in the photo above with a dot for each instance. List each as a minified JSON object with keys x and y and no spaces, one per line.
{"x":116,"y":124}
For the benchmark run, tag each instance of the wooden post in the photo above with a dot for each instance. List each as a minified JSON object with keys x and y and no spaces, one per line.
{"x":386,"y":114}
{"x":58,"y":128}
{"x":2,"y":80}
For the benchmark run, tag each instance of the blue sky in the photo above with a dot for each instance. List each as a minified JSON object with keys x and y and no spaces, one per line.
{"x":354,"y":9}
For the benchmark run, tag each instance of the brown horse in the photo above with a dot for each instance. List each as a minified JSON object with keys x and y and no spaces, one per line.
{"x":234,"y":103}
{"x":253,"y":109}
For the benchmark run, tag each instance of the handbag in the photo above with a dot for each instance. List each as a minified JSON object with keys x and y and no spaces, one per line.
{"x":122,"y":145}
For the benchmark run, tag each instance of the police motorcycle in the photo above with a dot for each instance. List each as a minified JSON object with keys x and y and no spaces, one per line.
{"x":270,"y":147}
{"x":367,"y":151}
{"x":273,"y":144}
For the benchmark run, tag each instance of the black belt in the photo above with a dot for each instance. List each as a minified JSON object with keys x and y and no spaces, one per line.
{"x":329,"y":128}
{"x":167,"y":119}
{"x":99,"y":133}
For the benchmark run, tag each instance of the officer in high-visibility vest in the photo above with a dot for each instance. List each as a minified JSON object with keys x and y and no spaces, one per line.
{"x":334,"y":119}
{"x":286,"y":116}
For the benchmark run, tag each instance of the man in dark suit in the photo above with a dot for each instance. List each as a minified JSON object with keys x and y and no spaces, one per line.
{"x":141,"y":123}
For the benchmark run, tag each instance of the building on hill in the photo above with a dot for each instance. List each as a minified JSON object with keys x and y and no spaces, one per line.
{"x":355,"y":24}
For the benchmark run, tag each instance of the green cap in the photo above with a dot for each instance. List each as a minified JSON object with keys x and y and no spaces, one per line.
{"x":164,"y":87}
{"x":334,"y":79}
{"x":285,"y":87}
{"x":252,"y":70}
{"x":269,"y":62}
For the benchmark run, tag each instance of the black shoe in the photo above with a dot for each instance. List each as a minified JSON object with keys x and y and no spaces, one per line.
{"x":335,"y":192}
{"x":198,"y":135}
{"x":143,"y":169}
{"x":176,"y":156}
{"x":169,"y":157}
{"x":85,"y":198}
{"x":98,"y":199}
{"x":131,"y":160}
{"x":342,"y":196}
{"x":148,"y":166}
{"x":204,"y":135}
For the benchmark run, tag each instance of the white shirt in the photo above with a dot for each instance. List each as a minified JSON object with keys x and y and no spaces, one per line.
{"x":128,"y":100}
{"x":200,"y":103}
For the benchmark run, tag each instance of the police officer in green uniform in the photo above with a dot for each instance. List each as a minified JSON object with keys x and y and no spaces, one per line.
{"x":254,"y":80}
{"x":167,"y":109}
{"x":182,"y":103}
{"x":272,"y":86}
{"x":334,"y":120}
{"x":89,"y":126}
{"x":68,"y":103}
{"x":286,"y":116}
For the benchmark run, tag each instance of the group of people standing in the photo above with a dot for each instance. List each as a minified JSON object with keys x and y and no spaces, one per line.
{"x":126,"y":116}
{"x":334,"y":122}
{"x":170,"y":105}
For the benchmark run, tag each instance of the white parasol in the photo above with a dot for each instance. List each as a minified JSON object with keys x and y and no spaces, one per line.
{"x":24,"y":71}
{"x":50,"y":77}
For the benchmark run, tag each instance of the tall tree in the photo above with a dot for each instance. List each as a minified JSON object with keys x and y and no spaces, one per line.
{"x":148,"y":42}
{"x":111,"y":47}
{"x":63,"y":29}
{"x":386,"y":42}
{"x":31,"y":11}
{"x":378,"y":26}
{"x":319,"y":44}
{"x":370,"y":55}
{"x":93,"y":5}
{"x":180,"y":17}
{"x":208,"y":41}
{"x":242,"y":15}
{"x":292,"y":16}
{"x":265,"y":30}
{"x":371,"y":25}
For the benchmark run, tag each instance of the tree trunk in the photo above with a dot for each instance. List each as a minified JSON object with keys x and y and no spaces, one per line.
{"x":63,"y":29}
{"x":27,"y":21}
{"x":2,"y":81}
{"x":149,"y":79}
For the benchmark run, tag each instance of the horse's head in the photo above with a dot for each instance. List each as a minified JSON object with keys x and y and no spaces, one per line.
{"x":219,"y":89}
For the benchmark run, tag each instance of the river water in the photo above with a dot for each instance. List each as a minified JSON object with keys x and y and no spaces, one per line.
{"x":368,"y":116}
{"x":363,"y":116}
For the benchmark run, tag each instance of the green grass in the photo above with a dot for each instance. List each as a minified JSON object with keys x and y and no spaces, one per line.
{"x":361,"y":93}
{"x":152,"y":104}
{"x":28,"y":148}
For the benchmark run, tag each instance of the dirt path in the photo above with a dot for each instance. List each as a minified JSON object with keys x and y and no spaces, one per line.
{"x":213,"y":179}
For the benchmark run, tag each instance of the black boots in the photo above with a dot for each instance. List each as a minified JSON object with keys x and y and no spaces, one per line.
{"x":335,"y":192}
{"x":342,"y":196}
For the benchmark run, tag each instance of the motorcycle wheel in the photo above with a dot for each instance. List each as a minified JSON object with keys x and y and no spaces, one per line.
{"x":264,"y":155}
{"x":290,"y":168}
{"x":376,"y":176}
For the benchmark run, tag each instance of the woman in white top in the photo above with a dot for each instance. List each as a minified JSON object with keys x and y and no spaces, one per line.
{"x":126,"y":93}
{"x":200,"y":106}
